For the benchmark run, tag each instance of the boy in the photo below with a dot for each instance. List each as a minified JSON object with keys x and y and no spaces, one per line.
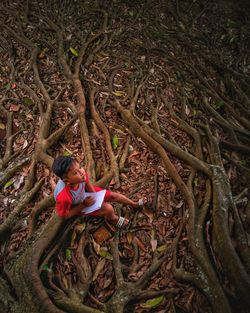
{"x":70,"y":189}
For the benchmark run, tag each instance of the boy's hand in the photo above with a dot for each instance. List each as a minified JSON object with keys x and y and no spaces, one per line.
{"x":88,"y":201}
{"x":83,"y":173}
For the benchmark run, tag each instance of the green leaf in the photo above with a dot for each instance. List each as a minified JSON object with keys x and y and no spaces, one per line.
{"x":243,"y":162}
{"x":196,"y":182}
{"x":27,"y":101}
{"x":118,"y":93}
{"x":131,"y":13}
{"x":68,"y":254}
{"x":152,"y":303}
{"x":104,"y":254}
{"x":8,"y":184}
{"x":115,"y":141}
{"x":162,"y":248}
{"x":67,"y":152}
{"x":219,"y":105}
{"x":73,"y":51}
{"x":46,"y":268}
{"x":7,"y":86}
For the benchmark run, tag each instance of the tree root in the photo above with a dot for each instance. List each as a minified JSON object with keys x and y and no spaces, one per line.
{"x":23,"y":273}
{"x":113,"y":164}
{"x":12,"y":169}
{"x":233,"y":267}
{"x":206,"y":279}
{"x":13,"y":217}
{"x":39,"y":207}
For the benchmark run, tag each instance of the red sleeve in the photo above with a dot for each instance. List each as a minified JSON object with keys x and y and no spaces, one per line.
{"x":87,"y":178}
{"x":63,"y":204}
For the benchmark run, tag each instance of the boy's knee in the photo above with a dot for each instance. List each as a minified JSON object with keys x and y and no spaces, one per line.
{"x":113,"y":196}
{"x":107,"y":207}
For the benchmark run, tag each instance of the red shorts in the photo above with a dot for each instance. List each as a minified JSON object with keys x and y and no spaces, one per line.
{"x":107,"y":194}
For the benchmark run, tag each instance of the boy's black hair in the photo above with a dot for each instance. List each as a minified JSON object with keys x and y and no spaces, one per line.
{"x":61,"y":165}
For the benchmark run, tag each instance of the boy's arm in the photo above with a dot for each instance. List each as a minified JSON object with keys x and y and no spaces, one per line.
{"x":76,"y":210}
{"x":88,"y":185}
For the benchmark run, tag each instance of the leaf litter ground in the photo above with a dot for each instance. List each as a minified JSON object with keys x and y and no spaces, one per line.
{"x":152,"y":228}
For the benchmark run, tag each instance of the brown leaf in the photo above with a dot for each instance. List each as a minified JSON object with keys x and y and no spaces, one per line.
{"x":130,"y":237}
{"x":80,"y":228}
{"x":96,"y":246}
{"x":187,"y":110}
{"x":18,"y":182}
{"x":112,"y":182}
{"x":98,"y":269}
{"x":134,"y":153}
{"x":169,"y":265}
{"x":137,"y":162}
{"x":46,"y":172}
{"x":73,"y":238}
{"x":179,"y":205}
{"x":29,"y":117}
{"x":107,"y":282}
{"x":101,"y":235}
{"x":25,"y":144}
{"x":173,"y":188}
{"x":108,"y":113}
{"x":153,"y":244}
{"x":140,"y":244}
{"x":42,"y":54}
{"x":149,"y":213}
{"x":2,"y":126}
{"x":14,"y":107}
{"x":65,"y":282}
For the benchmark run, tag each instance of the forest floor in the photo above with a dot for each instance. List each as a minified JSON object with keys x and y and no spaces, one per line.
{"x":153,"y":43}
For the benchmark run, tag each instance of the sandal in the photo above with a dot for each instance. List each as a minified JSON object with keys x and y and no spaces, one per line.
{"x":120,"y":223}
{"x":143,"y":201}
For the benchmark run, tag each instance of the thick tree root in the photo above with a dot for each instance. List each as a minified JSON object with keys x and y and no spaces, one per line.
{"x":13,"y":217}
{"x":23,"y":273}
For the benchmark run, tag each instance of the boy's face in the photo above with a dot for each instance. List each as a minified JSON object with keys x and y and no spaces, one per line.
{"x":75,"y":174}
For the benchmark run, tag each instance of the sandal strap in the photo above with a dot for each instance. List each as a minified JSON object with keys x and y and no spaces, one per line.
{"x":141,"y":202}
{"x":120,"y":222}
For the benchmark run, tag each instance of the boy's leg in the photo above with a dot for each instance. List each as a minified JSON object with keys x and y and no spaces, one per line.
{"x":108,"y":212}
{"x":120,"y":198}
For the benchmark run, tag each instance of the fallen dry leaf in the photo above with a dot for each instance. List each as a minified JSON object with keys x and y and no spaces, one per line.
{"x":25,"y":144}
{"x":140,"y":244}
{"x":149,"y":213}
{"x":98,"y":269}
{"x":14,"y":107}
{"x":79,"y":228}
{"x":73,"y":237}
{"x":130,"y":237}
{"x":96,"y":246}
{"x":107,"y":282}
{"x":134,"y":153}
{"x":153,"y":244}
{"x":101,"y":235}
{"x":46,"y":171}
{"x":2,"y":126}
{"x":18,"y":182}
